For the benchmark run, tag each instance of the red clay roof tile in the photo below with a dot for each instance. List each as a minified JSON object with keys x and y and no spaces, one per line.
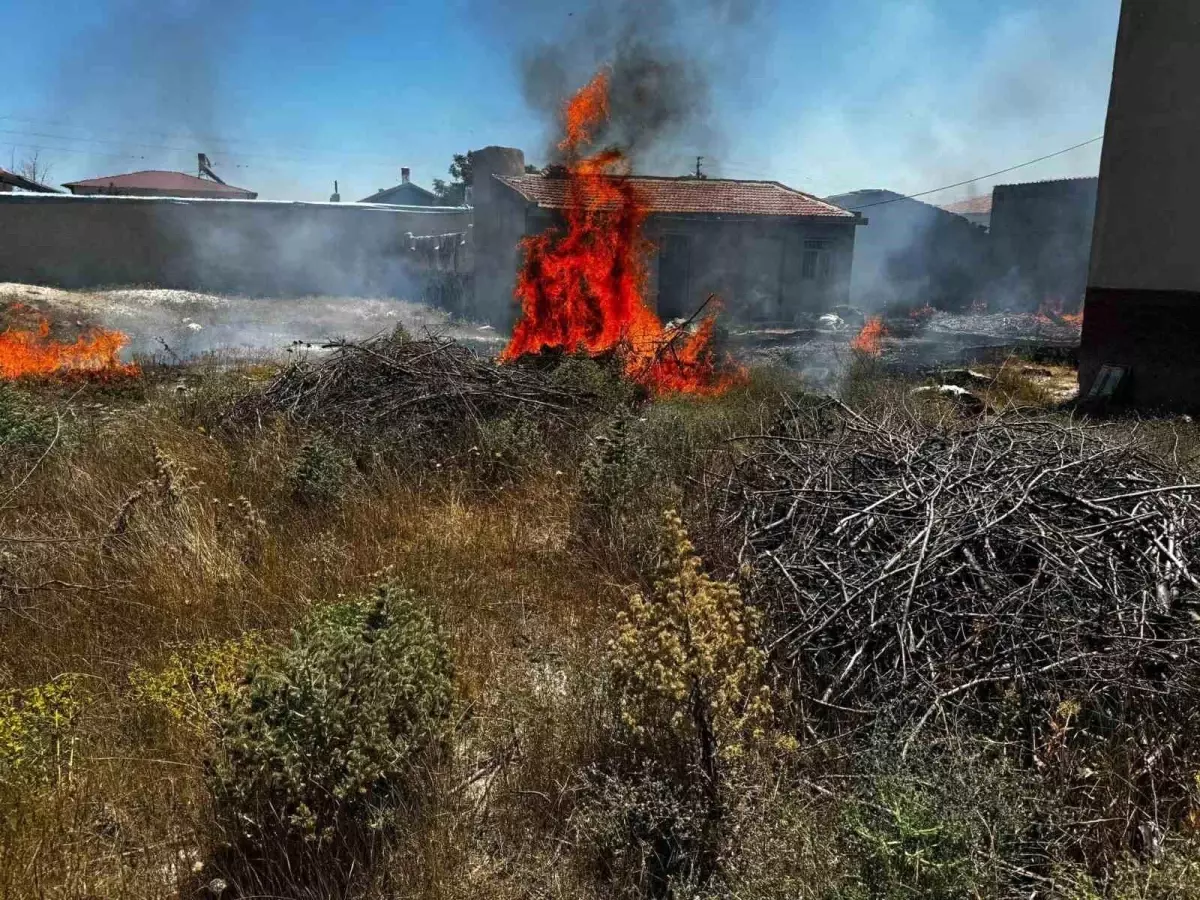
{"x":976,"y":206}
{"x":155,"y":180}
{"x":691,"y":195}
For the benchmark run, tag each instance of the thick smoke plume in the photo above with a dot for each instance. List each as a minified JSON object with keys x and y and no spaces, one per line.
{"x":664,"y":58}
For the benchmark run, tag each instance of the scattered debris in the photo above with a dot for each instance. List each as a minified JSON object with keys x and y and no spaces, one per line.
{"x":1106,"y":384}
{"x":969,"y":401}
{"x":832,"y":322}
{"x":963,"y":377}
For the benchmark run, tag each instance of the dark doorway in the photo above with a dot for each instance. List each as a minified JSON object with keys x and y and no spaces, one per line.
{"x":674,"y":263}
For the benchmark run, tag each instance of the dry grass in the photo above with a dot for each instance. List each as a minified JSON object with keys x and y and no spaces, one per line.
{"x":135,"y":542}
{"x":144,"y":531}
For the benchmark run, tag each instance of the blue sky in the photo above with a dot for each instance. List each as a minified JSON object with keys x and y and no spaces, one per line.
{"x":286,"y":97}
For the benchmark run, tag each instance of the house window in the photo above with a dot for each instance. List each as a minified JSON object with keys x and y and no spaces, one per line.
{"x":817,"y":262}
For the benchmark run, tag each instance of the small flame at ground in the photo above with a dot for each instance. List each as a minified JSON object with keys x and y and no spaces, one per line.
{"x":33,"y":353}
{"x":582,"y":288}
{"x":1051,"y":311}
{"x":870,"y":339}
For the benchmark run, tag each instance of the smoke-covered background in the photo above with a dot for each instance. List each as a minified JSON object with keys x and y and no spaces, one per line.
{"x":665,"y":58}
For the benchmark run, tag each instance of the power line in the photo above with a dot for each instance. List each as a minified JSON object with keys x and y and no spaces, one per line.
{"x":375,"y":160}
{"x":207,"y":139}
{"x":981,"y":177}
{"x":70,"y":151}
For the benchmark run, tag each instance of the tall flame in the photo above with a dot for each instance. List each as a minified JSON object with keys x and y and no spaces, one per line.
{"x":582,"y":287}
{"x":25,"y":353}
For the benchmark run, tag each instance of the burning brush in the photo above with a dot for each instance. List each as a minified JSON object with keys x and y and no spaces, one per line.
{"x":33,"y":353}
{"x":582,"y":288}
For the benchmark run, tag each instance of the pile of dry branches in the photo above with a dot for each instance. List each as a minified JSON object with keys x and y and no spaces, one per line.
{"x":413,"y":390}
{"x":942,"y":574}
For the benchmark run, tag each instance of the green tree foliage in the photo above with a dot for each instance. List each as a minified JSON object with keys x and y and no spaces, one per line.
{"x":454,"y":191}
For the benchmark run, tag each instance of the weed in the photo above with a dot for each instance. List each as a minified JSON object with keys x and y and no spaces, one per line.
{"x":509,"y":448}
{"x":197,"y":682}
{"x":685,"y":659}
{"x":37,"y":736}
{"x":320,"y":473}
{"x":22,"y":425}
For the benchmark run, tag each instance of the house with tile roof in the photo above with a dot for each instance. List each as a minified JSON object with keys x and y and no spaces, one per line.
{"x":156,"y":183}
{"x":976,"y":210}
{"x":770,"y":252}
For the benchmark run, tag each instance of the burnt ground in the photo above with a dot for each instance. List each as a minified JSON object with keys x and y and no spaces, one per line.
{"x":947,"y":340}
{"x":175,"y":325}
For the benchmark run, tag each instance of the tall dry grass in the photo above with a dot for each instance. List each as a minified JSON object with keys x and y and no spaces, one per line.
{"x":144,"y":534}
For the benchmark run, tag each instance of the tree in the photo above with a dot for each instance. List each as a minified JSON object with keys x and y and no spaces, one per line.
{"x":32,"y":168}
{"x":454,"y":192}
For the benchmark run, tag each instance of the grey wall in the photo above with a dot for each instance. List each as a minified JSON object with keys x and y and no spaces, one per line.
{"x":754,"y":264}
{"x":499,"y":225}
{"x":1143,"y":296}
{"x":1147,"y":233}
{"x":1041,"y":239}
{"x":235,"y":246}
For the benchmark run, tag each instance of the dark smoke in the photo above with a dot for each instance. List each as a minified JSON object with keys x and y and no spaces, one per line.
{"x":664,"y":57}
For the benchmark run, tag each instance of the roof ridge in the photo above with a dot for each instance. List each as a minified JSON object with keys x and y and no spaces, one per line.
{"x":671,"y":195}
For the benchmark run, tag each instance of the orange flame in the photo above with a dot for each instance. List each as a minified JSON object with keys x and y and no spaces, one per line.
{"x":1050,"y":312}
{"x":25,"y":353}
{"x":870,"y":339}
{"x":582,"y":288}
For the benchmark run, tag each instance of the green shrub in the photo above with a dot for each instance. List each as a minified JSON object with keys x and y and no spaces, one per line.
{"x":509,"y":447}
{"x":939,"y":825}
{"x":647,"y":835}
{"x":620,"y":492}
{"x":1172,"y":875}
{"x":327,"y":736}
{"x":320,"y":473}
{"x":582,"y":376}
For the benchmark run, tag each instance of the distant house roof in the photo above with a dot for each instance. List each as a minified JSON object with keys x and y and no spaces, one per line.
{"x":403,"y":194}
{"x":19,"y":181}
{"x":722,"y":196}
{"x":1082,"y":184}
{"x":972,"y":206}
{"x":155,"y":183}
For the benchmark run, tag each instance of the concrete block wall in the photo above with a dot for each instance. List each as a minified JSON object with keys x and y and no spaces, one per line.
{"x":235,"y":246}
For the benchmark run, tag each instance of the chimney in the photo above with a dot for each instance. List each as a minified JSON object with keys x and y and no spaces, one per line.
{"x":404,"y":173}
{"x":335,"y":197}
